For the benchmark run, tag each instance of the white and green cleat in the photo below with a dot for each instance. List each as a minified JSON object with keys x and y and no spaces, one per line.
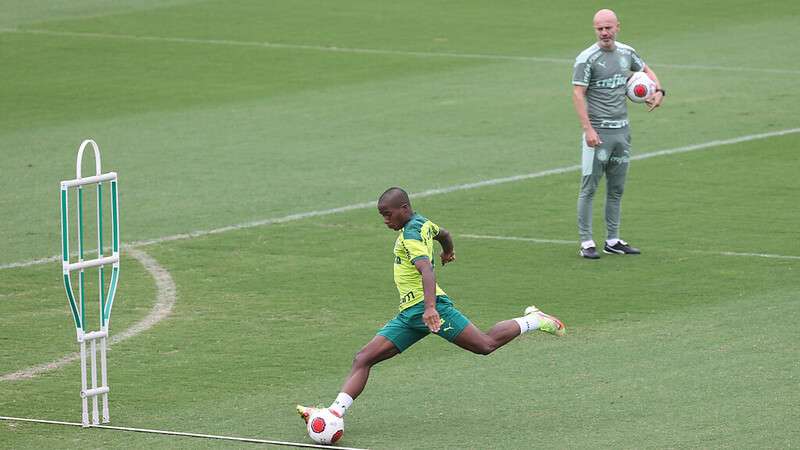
{"x":547,"y":323}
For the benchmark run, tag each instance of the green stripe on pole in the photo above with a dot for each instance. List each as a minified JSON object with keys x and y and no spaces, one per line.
{"x":112,"y":289}
{"x":80,"y":222}
{"x":83,"y":304}
{"x":81,"y":284}
{"x":100,"y":218}
{"x":114,"y":218}
{"x":71,"y":297}
{"x":64,"y":237}
{"x":102,"y":298}
{"x":100,"y":250}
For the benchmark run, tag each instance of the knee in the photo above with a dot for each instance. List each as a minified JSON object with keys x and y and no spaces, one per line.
{"x":587,"y":192}
{"x":615,"y":191}
{"x":363,"y":359}
{"x":486,"y":347}
{"x":616,"y":187}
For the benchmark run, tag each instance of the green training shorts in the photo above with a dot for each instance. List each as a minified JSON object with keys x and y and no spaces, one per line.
{"x":407,"y":327}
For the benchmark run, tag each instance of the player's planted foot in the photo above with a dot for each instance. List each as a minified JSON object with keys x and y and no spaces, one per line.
{"x":589,"y":253}
{"x":547,"y":323}
{"x":620,"y":248}
{"x":305,"y":412}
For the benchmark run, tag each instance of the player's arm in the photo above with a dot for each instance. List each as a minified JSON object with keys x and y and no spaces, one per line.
{"x":654,"y":101}
{"x":579,"y":101}
{"x":446,"y":241}
{"x":430,"y":316}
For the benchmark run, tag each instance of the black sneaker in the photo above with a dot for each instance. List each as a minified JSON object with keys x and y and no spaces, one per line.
{"x":589,"y":253}
{"x":620,"y":248}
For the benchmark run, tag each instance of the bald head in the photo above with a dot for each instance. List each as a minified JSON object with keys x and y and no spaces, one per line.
{"x":394,"y":197}
{"x":606,"y":27}
{"x":605,"y":15}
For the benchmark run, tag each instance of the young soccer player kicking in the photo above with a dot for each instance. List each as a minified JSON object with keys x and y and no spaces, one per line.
{"x":424,"y":307}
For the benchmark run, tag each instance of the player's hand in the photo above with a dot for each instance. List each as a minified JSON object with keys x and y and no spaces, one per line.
{"x":654,"y":101}
{"x":432,"y":319}
{"x":448,"y":257}
{"x":592,"y":138}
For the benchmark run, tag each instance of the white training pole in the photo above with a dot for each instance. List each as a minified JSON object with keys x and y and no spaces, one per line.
{"x":104,"y":378}
{"x":95,"y":412}
{"x":101,"y":295}
{"x":89,"y":180}
{"x":78,"y":312}
{"x":84,"y":400}
{"x":80,"y":157}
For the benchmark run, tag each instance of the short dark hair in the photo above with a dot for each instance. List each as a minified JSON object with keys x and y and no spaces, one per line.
{"x":395,"y":196}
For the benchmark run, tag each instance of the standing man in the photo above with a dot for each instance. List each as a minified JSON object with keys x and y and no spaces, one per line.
{"x":598,"y":93}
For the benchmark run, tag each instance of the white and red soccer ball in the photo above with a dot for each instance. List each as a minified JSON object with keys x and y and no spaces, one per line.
{"x":325,"y":427}
{"x":640,"y":87}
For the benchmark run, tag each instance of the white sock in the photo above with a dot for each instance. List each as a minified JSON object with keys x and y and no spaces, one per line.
{"x":612,"y":242}
{"x":587,"y":244}
{"x":527,"y":323}
{"x":342,"y":402}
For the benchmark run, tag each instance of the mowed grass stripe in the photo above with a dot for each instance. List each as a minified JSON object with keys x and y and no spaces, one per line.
{"x":423,"y":194}
{"x":373,"y":51}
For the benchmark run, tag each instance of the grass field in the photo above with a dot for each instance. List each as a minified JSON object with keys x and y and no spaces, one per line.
{"x":238,"y":129}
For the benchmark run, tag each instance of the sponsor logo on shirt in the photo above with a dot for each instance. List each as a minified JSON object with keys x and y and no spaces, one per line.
{"x":611,"y":83}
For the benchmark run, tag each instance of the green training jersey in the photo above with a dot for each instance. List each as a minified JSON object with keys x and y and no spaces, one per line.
{"x":414,"y":242}
{"x":604,"y":73}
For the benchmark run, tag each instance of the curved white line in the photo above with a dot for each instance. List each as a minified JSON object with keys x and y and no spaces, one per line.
{"x":165,"y":300}
{"x":427,"y":193}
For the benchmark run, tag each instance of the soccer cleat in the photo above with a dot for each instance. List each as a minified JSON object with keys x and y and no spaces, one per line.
{"x":620,"y":248}
{"x":547,"y":323}
{"x":589,"y":253}
{"x":305,"y":412}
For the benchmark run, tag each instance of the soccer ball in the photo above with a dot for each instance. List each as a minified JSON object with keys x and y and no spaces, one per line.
{"x":325,"y":427}
{"x":640,"y":87}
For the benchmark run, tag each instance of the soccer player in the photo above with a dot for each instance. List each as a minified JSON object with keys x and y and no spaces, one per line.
{"x":598,"y":94}
{"x":424,"y":307}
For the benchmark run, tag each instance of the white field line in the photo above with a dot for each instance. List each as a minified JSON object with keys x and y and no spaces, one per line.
{"x":575,"y":243}
{"x":520,"y":239}
{"x":757,"y":255}
{"x":165,"y":300}
{"x":372,"y":51}
{"x":180,"y":433}
{"x":32,"y":262}
{"x":427,"y":193}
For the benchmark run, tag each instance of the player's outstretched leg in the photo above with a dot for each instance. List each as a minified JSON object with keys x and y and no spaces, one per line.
{"x":377,"y":350}
{"x":476,"y":341}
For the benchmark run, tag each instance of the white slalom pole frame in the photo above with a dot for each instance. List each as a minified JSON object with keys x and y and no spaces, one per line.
{"x":106,"y":299}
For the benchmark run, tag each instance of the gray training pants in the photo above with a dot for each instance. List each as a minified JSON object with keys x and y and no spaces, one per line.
{"x":610,"y":158}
